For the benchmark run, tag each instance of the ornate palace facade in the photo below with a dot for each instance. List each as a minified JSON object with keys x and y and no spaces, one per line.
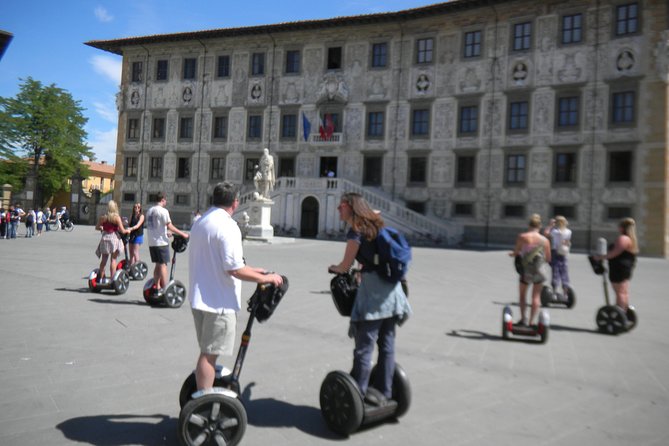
{"x":477,"y":113}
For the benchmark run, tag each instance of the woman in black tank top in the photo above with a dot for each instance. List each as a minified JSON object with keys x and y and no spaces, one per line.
{"x":622,"y":259}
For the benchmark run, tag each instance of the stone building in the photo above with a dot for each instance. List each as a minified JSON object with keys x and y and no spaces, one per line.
{"x":473,"y":113}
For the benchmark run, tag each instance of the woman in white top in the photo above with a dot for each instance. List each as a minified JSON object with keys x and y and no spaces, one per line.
{"x":560,"y":237}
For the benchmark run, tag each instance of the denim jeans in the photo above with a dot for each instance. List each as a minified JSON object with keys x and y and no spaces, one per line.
{"x":368,"y":333}
{"x":560,"y":271}
{"x":12,"y":229}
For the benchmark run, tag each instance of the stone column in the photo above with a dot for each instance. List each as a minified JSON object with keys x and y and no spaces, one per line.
{"x":6,"y":195}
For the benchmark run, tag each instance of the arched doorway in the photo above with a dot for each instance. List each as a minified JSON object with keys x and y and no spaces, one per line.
{"x":309,"y":218}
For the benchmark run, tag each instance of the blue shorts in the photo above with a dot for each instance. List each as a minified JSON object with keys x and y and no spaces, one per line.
{"x":137,"y":240}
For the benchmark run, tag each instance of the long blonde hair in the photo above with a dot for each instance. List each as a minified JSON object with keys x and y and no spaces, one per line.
{"x":364,"y":220}
{"x":561,"y":222}
{"x":112,"y":211}
{"x":629,"y":229}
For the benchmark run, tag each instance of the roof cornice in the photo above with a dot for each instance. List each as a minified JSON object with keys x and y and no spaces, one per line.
{"x":116,"y":46}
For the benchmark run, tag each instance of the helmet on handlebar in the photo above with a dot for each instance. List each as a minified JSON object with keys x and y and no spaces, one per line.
{"x":266,"y":298}
{"x":179,"y":243}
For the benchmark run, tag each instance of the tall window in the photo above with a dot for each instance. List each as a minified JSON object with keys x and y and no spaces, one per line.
{"x":420,"y":122}
{"x":257,"y":64}
{"x":183,"y":168}
{"x":372,"y":168}
{"x":217,"y":171}
{"x":130,"y":170}
{"x":162,"y":72}
{"x":620,"y":166}
{"x":137,"y":72}
{"x":375,"y":124}
{"x":186,"y":128}
{"x":522,"y":36}
{"x":255,"y":127}
{"x":417,"y":170}
{"x":380,"y":55}
{"x":568,"y":111}
{"x":465,"y":170}
{"x":190,"y":65}
{"x":223,"y":66}
{"x":133,"y":128}
{"x":156,"y":168}
{"x":292,"y":61}
{"x":518,"y":113}
{"x":424,"y":48}
{"x":289,"y":126}
{"x":572,"y":28}
{"x":220,"y":127}
{"x":472,"y":44}
{"x":623,"y":107}
{"x":158,"y":130}
{"x":627,"y":19}
{"x":468,"y":119}
{"x":515,"y":169}
{"x":565,"y":167}
{"x":334,"y":61}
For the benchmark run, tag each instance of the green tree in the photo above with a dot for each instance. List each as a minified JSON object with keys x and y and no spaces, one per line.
{"x":45,"y":124}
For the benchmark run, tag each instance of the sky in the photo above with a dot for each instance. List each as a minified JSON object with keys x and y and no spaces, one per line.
{"x":49,"y":36}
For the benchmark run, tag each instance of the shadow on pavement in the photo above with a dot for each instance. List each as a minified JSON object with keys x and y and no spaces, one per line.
{"x":574,"y":329}
{"x":117,"y":430}
{"x":270,"y":412}
{"x":74,"y":290}
{"x":474,"y":335}
{"x":118,"y":301}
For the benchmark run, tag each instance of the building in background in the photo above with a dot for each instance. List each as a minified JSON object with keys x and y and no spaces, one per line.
{"x":478,"y":113}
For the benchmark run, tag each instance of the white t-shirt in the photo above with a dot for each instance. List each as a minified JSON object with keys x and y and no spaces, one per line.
{"x":157,"y":219}
{"x":558,"y":237}
{"x":215,"y":247}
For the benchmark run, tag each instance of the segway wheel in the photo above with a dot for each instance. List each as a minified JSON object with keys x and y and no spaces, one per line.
{"x":93,"y":281}
{"x":189,"y":387}
{"x":215,"y":419}
{"x":401,"y":389}
{"x":341,"y":402}
{"x":150,"y":296}
{"x":611,"y":319}
{"x":138,"y":271}
{"x":543,"y":335}
{"x":631,"y":317}
{"x":571,"y":297}
{"x":121,"y":282}
{"x":175,"y":294}
{"x":546,"y":295}
{"x":69,"y":226}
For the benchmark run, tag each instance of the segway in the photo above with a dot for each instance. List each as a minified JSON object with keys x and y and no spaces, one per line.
{"x":217,"y":415}
{"x":533,"y":331}
{"x":549,"y":297}
{"x":611,"y":319}
{"x":174,"y":294}
{"x":118,"y":283}
{"x":343,"y":406}
{"x":136,"y":271}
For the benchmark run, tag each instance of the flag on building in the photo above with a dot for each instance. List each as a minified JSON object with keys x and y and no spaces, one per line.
{"x":306,"y":127}
{"x":326,"y":129}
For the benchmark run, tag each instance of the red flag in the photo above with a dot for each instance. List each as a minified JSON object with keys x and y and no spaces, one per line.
{"x":329,"y":126}
{"x":321,"y":127}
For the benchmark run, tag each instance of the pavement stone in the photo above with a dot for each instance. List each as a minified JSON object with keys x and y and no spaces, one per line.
{"x":101,"y":369}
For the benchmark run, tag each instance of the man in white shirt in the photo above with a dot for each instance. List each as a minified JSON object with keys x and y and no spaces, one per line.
{"x":216,"y":272}
{"x":158,"y":222}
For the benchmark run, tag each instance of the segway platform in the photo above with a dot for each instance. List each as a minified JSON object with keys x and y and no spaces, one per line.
{"x":533,"y":331}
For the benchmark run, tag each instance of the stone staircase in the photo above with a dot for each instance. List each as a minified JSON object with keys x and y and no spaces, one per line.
{"x":290,"y":192}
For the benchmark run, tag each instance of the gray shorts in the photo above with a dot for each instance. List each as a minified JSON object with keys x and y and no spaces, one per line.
{"x":215,"y":332}
{"x":160,"y":254}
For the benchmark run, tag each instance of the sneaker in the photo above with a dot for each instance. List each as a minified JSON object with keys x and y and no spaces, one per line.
{"x":521,"y":323}
{"x":375,"y":398}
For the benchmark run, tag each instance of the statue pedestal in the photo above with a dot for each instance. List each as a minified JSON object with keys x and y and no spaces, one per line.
{"x":259,"y":220}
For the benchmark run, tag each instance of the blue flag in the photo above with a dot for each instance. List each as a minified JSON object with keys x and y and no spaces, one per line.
{"x":306,"y":127}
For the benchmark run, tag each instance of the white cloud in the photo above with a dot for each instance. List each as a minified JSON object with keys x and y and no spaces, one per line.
{"x":108,"y":66}
{"x":103,"y":144}
{"x":102,"y":14}
{"x":107,"y":110}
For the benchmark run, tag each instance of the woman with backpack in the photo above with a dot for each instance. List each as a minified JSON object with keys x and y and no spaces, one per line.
{"x":532,"y":252}
{"x":379,"y":306}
